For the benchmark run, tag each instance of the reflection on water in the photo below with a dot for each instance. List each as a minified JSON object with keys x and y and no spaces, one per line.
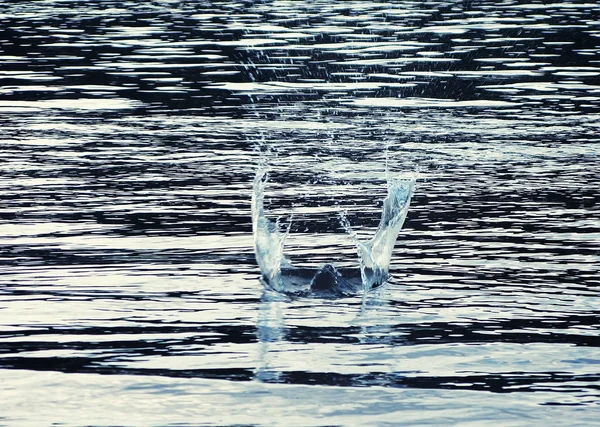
{"x":129,"y":287}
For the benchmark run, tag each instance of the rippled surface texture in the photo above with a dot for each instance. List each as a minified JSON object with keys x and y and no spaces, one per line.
{"x":131,"y":133}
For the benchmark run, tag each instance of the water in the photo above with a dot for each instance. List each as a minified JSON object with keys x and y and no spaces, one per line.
{"x":131,"y":136}
{"x":374,"y":256}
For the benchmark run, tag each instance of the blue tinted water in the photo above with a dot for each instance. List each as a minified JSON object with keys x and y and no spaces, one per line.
{"x":131,"y":134}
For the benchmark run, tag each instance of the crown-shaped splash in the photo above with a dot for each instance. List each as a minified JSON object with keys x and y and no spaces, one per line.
{"x":374,"y":255}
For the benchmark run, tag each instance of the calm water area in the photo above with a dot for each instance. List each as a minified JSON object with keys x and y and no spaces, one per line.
{"x":130,"y":136}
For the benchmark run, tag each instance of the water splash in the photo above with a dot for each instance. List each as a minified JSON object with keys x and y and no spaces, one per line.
{"x":374,"y":255}
{"x":268,"y":239}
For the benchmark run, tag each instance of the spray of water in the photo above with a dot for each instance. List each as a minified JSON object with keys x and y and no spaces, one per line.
{"x":268,"y":239}
{"x":374,"y":255}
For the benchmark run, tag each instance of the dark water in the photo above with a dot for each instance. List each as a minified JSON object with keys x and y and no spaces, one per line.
{"x":131,"y":133}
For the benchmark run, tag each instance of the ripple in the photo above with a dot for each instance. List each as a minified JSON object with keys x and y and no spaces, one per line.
{"x":131,"y":135}
{"x":69,"y":104}
{"x":429,"y":103}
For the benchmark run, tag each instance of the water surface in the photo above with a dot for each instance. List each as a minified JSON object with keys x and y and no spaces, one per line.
{"x":132,"y":132}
